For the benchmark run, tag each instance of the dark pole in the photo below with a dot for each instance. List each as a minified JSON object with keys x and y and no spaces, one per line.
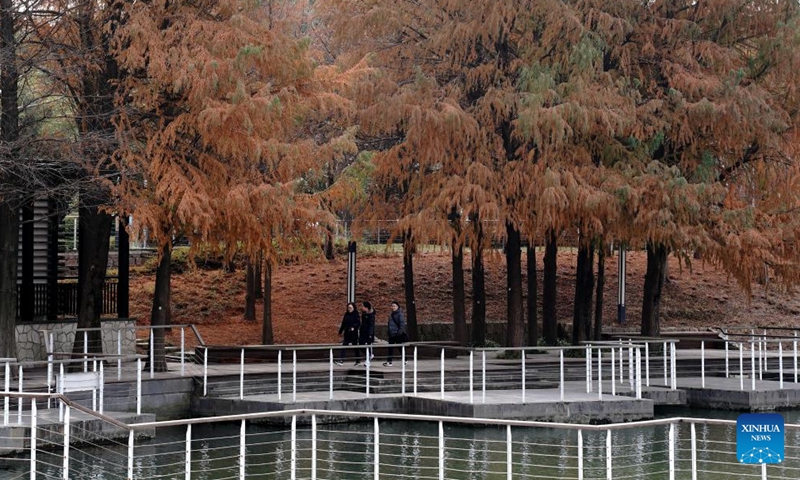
{"x":351,"y":272}
{"x":621,"y":288}
{"x":123,"y":264}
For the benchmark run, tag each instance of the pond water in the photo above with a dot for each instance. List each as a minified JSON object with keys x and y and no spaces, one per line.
{"x":411,"y":450}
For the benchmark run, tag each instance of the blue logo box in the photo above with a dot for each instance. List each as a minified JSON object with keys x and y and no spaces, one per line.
{"x":760,"y":438}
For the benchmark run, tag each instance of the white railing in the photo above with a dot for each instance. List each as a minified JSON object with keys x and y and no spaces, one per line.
{"x":123,"y":342}
{"x":447,"y":370}
{"x":56,"y":376}
{"x":300,"y":445}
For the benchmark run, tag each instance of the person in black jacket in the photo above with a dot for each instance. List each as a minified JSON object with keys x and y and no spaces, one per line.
{"x":366,"y":334}
{"x":349,"y":330}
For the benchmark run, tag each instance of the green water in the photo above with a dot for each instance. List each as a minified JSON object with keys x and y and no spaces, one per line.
{"x":411,"y":450}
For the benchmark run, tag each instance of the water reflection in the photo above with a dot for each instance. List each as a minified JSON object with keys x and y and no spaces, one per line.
{"x":411,"y":450}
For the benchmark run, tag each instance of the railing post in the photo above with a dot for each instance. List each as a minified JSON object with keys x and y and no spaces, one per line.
{"x":561,"y":369}
{"x":60,"y":389}
{"x":674,"y":373}
{"x":102,"y":387}
{"x":205,"y":371}
{"x":613,"y":372}
{"x":85,"y":351}
{"x":241,"y":376}
{"x":403,"y":368}
{"x":580,"y":454}
{"x":760,"y":359}
{"x":119,"y":355}
{"x":609,"y":469}
{"x":671,"y":451}
{"x":188,"y":454}
{"x":49,"y":364}
{"x":763,"y":471}
{"x":703,"y":364}
{"x":647,"y":363}
{"x":65,"y":468}
{"x":330,"y":375}
{"x":483,"y":376}
{"x":20,"y":400}
{"x":471,"y":394}
{"x":523,"y":377}
{"x":294,"y":377}
{"x":588,"y":355}
{"x":376,"y":469}
{"x":666,"y":347}
{"x":139,"y":386}
{"x":242,"y":450}
{"x":7,"y":389}
{"x":441,"y":372}
{"x":638,"y":373}
{"x":795,"y":356}
{"x":280,"y":373}
{"x":130,"y":454}
{"x":780,"y":363}
{"x":727,"y":366}
{"x":621,"y":363}
{"x":33,"y":440}
{"x":152,"y":352}
{"x":509,"y":453}
{"x":631,"y":368}
{"x":441,"y":450}
{"x":368,"y":366}
{"x":599,"y":373}
{"x":415,"y":374}
{"x":741,"y":367}
{"x":294,"y":447}
{"x":183,"y":352}
{"x":752,"y":366}
{"x":764,"y":339}
{"x":314,"y":447}
{"x":694,"y":452}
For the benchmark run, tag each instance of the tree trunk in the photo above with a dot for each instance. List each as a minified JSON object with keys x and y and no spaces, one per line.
{"x":515,"y":334}
{"x":257,"y":276}
{"x":94,"y":231}
{"x":533,"y":297}
{"x":653,"y":285}
{"x":601,"y":282}
{"x":160,"y":313}
{"x":549,"y":319}
{"x":123,"y":270}
{"x":328,"y":246}
{"x":9,"y":246}
{"x":478,"y":288}
{"x":9,"y":213}
{"x":250,"y":294}
{"x":408,"y":285}
{"x":266,"y":329}
{"x":584,"y":286}
{"x":460,"y":333}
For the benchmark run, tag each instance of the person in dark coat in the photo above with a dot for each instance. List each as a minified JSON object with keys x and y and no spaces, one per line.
{"x":366,"y":333}
{"x":349,"y":331}
{"x":397,"y":331}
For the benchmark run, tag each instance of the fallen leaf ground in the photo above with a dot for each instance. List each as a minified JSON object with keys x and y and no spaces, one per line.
{"x":309,"y":298}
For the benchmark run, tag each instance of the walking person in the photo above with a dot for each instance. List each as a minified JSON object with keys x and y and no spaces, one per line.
{"x":397,"y":331}
{"x":366,"y":333}
{"x":349,"y":329}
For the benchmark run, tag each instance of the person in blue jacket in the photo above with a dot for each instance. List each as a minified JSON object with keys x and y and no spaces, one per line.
{"x":397,"y":331}
{"x":349,"y":331}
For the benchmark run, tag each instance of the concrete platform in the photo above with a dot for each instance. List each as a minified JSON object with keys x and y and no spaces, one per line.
{"x":726,"y":393}
{"x":15,"y":437}
{"x":539,"y":404}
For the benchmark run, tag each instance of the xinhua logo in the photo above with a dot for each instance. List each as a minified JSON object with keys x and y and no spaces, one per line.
{"x":759,"y":438}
